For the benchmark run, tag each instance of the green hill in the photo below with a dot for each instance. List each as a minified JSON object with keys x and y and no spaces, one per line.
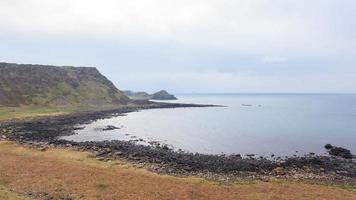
{"x":44,"y":85}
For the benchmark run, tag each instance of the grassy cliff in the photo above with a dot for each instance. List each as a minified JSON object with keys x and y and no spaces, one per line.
{"x":52,"y":86}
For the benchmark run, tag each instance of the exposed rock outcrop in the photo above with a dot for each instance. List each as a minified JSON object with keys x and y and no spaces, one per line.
{"x":338,"y":151}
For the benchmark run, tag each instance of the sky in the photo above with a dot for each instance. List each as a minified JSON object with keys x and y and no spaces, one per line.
{"x":191,"y":46}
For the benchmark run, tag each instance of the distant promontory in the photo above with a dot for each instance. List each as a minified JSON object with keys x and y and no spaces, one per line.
{"x":160,"y":95}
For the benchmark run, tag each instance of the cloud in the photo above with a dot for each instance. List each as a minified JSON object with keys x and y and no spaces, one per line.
{"x":241,"y":44}
{"x":217,"y":82}
{"x":274,"y":59}
{"x":251,"y":26}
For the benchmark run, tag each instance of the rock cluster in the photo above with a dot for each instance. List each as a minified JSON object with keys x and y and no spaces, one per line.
{"x":338,"y":151}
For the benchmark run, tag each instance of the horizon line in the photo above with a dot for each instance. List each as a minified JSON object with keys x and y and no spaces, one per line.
{"x":237,"y":93}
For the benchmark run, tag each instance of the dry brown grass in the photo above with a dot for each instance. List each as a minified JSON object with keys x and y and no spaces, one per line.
{"x":8,"y":195}
{"x":66,"y":173}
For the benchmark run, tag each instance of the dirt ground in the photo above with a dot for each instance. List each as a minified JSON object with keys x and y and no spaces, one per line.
{"x":67,"y":174}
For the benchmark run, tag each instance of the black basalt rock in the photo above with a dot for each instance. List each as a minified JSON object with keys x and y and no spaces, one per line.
{"x":339,"y":151}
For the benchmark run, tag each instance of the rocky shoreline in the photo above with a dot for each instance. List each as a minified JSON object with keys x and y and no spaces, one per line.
{"x":45,"y":132}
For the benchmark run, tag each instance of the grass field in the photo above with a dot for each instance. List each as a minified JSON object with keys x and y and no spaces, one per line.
{"x":28,"y":112}
{"x":9,"y":113}
{"x":63,"y":173}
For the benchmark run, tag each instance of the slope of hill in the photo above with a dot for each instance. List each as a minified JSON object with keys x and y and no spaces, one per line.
{"x":43,"y":85}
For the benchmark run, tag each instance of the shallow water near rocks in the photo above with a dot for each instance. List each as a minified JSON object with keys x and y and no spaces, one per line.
{"x":263,"y":124}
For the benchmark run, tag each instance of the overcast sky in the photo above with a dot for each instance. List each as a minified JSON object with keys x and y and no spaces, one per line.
{"x":190,"y":45}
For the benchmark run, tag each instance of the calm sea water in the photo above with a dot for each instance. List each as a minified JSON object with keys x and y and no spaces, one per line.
{"x":261,"y":124}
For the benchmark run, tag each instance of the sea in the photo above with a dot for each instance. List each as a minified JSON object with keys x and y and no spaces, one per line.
{"x":261,"y":124}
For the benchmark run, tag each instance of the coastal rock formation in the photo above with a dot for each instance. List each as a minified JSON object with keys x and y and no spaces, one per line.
{"x":160,"y":95}
{"x":338,"y":151}
{"x":163,"y":95}
{"x":45,"y":85}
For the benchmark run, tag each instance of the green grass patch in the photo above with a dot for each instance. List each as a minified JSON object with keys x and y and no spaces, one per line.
{"x":346,"y":186}
{"x":10,"y":113}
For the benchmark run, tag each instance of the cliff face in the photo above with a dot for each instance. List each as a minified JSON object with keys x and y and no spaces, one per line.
{"x":56,"y":86}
